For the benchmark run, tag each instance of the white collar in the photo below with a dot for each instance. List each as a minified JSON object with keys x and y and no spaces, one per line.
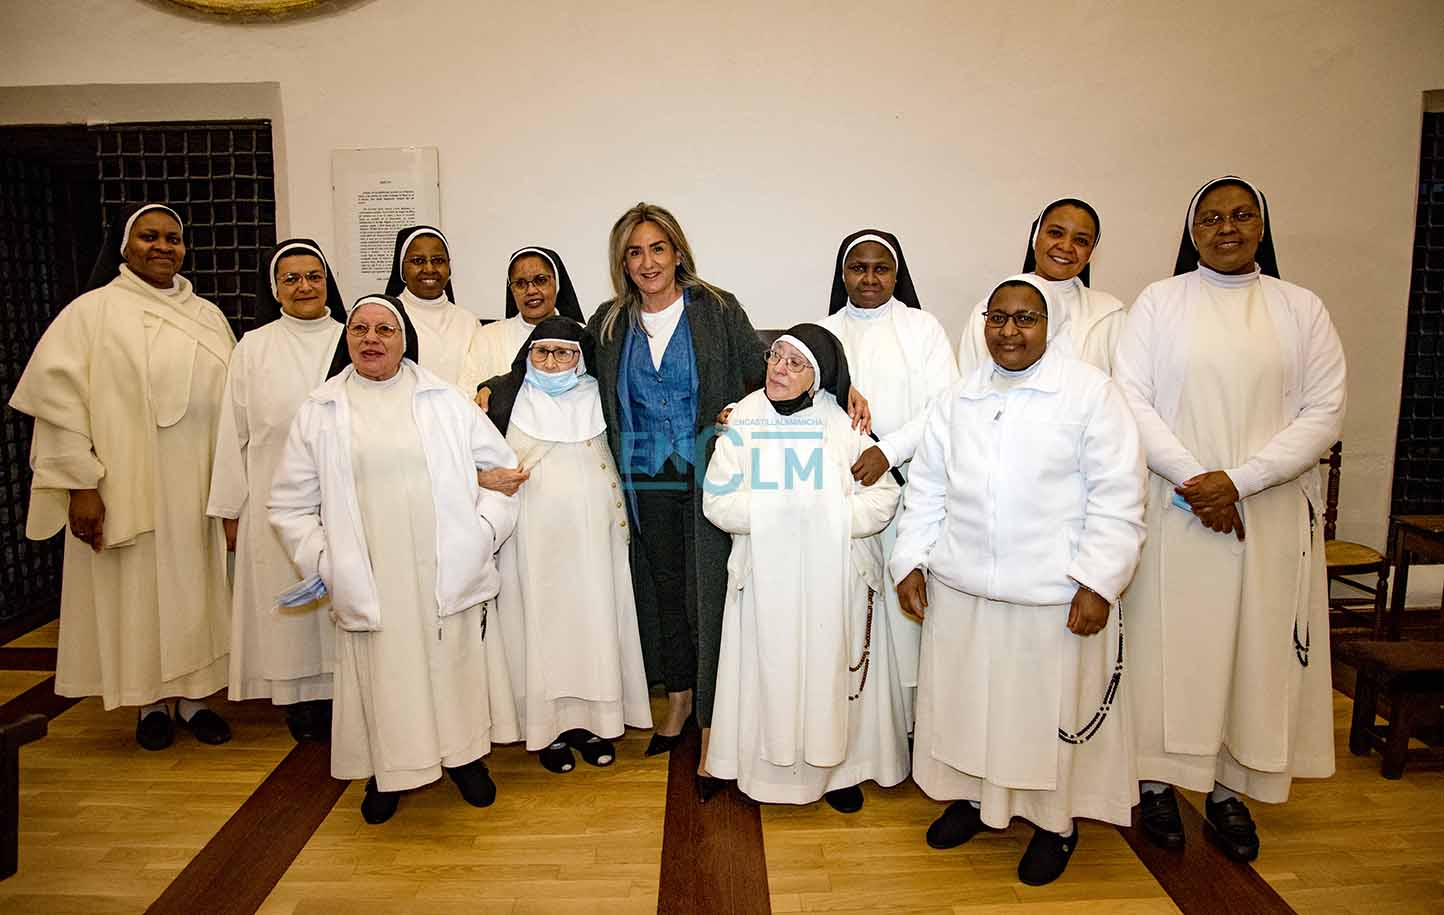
{"x":870,"y":314}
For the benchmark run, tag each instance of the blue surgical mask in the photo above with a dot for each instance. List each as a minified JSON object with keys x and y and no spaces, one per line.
{"x":552,"y":383}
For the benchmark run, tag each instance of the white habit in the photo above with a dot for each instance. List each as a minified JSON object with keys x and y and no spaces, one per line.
{"x":1083,"y":323}
{"x":449,"y":340}
{"x":1020,"y":492}
{"x":1245,"y":375}
{"x":147,"y":618}
{"x":377,"y":491}
{"x":287,"y":654}
{"x":808,"y":698}
{"x":498,"y":343}
{"x":899,"y":358}
{"x":566,"y":606}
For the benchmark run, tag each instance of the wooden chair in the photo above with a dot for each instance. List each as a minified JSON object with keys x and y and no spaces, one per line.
{"x":1345,"y":558}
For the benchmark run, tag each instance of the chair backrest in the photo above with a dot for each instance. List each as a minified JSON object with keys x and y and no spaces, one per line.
{"x":1334,"y":460}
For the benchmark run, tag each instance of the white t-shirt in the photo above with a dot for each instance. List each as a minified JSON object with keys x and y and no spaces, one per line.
{"x":660,"y":326}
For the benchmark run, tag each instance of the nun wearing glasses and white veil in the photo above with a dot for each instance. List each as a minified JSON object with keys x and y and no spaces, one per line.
{"x":284,"y":655}
{"x":1237,"y":379}
{"x":899,"y":356}
{"x":806,"y":701}
{"x":537,"y":287}
{"x":566,"y":606}
{"x":1085,"y":323}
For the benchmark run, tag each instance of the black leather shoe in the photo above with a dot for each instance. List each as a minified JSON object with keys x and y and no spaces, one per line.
{"x":378,"y":806}
{"x":707,"y":787}
{"x":155,"y":731}
{"x":1232,"y":828}
{"x":475,"y":783}
{"x":845,"y":800}
{"x":309,"y":722}
{"x":959,"y":823}
{"x":1047,"y":857}
{"x":662,"y":743}
{"x":207,"y":726}
{"x":1158,"y":818}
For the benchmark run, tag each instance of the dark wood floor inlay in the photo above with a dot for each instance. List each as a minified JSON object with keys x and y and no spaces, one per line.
{"x":39,"y":699}
{"x":245,"y":860}
{"x":1199,"y":878}
{"x":712,"y":855}
{"x":27,"y":659}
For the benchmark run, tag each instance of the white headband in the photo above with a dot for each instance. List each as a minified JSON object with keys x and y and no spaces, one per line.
{"x":290,"y":251}
{"x":802,"y":348}
{"x":581,"y":367}
{"x":869,"y":237}
{"x":401,"y":251}
{"x":125,"y":236}
{"x":385,"y":303}
{"x":1226,"y":179}
{"x":1032,"y":280}
{"x":539,"y":253}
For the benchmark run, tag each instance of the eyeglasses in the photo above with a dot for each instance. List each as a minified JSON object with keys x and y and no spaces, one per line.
{"x":1240,"y":217}
{"x":315,"y":278}
{"x":1023,"y":320}
{"x":795,"y":365}
{"x":384,"y":331}
{"x":563,"y":356}
{"x":522,"y":284}
{"x":436,"y":260}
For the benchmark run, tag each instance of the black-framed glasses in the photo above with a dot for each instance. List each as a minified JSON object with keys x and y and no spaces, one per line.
{"x":563,"y":356}
{"x":384,"y":331}
{"x":1023,"y":320}
{"x":521,"y":284}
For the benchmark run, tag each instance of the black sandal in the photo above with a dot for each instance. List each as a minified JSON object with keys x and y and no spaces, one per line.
{"x":557,"y":758}
{"x":595,"y":750}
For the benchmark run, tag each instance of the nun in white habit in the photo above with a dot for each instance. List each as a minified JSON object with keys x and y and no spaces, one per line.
{"x":1237,"y":379}
{"x":285,"y":655}
{"x":125,"y":387}
{"x":450,"y":336}
{"x":900,"y":357}
{"x":377,"y":494}
{"x":808,"y":704}
{"x":537,"y":287}
{"x":1021,"y":526}
{"x":566,"y":607}
{"x":1085,"y":323}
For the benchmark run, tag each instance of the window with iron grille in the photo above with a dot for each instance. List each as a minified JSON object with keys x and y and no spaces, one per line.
{"x":1419,"y":450}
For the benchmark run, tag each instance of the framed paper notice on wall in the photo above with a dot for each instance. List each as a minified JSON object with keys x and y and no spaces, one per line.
{"x":375,"y":192}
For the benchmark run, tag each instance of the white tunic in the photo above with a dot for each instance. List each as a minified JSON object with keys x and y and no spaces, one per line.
{"x":147,"y":618}
{"x":1223,"y":694}
{"x":498,"y":343}
{"x":1086,"y":325}
{"x":411,"y":696}
{"x":566,"y":606}
{"x":285,"y":655}
{"x":808,"y":698}
{"x":448,"y":341}
{"x":1019,"y":494}
{"x":899,"y":358}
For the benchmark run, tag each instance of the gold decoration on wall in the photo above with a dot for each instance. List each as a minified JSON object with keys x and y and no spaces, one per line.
{"x":250,"y":9}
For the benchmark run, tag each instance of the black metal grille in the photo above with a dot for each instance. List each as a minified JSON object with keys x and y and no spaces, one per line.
{"x":1419,"y":451}
{"x":220,"y":176}
{"x":31,"y":289}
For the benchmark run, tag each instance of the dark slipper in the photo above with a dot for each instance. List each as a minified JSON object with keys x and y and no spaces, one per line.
{"x":845,"y":800}
{"x":474,"y":783}
{"x":1047,"y":857}
{"x":207,"y":726}
{"x":557,"y":758}
{"x":378,"y":806}
{"x":959,"y":823}
{"x":155,"y":731}
{"x":595,"y":750}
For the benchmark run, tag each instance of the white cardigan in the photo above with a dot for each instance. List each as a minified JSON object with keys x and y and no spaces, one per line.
{"x":1022,"y":496}
{"x":315,"y":511}
{"x":1151,"y":365}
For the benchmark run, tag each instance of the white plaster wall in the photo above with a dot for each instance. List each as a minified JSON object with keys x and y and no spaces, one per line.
{"x":773,"y":128}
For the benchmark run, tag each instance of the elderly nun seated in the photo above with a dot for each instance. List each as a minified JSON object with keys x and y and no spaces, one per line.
{"x":808,"y":704}
{"x":1022,"y":524}
{"x":377,"y":494}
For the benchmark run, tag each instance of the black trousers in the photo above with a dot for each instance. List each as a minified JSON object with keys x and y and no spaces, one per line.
{"x":666,"y":525}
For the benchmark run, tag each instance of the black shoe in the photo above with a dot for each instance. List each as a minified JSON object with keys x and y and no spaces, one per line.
{"x":155,"y":731}
{"x":707,"y":787}
{"x":1233,"y":829}
{"x":475,"y":783}
{"x":845,"y":800}
{"x":959,"y":823}
{"x":207,"y":726}
{"x":378,"y":806}
{"x":309,"y":722}
{"x":557,"y":758}
{"x":1158,"y":818}
{"x":595,"y":750}
{"x":1047,"y":857}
